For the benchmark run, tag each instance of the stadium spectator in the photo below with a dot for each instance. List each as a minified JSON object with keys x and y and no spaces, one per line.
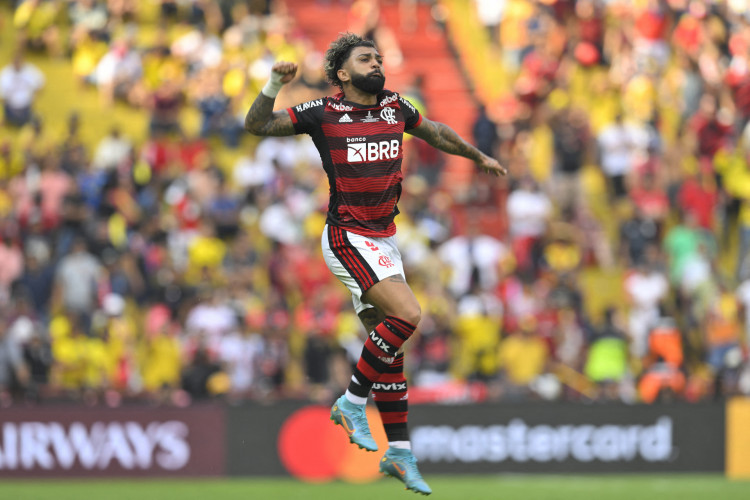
{"x":38,"y":24}
{"x":118,"y":71}
{"x":681,"y":242}
{"x":491,"y":14}
{"x":477,"y":327}
{"x":722,"y":332}
{"x":522,"y":357}
{"x":11,"y":267}
{"x":607,"y":358}
{"x":165,"y":104}
{"x":617,"y":146}
{"x":484,"y":132}
{"x":571,"y":139}
{"x":529,"y":210}
{"x":197,"y":376}
{"x":112,"y":150}
{"x":162,"y":357}
{"x":474,"y":259}
{"x":239,"y":354}
{"x":645,"y":286}
{"x":216,"y":110}
{"x":13,"y":372}
{"x":20,"y":83}
{"x":78,"y":277}
{"x":37,"y":279}
{"x":38,"y":357}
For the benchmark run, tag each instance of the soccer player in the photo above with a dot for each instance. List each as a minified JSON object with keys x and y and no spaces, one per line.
{"x":359,"y":134}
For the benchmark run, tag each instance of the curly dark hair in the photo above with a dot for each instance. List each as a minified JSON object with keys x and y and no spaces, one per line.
{"x":338,"y":52}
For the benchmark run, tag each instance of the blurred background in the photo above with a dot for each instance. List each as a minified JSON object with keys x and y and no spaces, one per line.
{"x":154,"y":253}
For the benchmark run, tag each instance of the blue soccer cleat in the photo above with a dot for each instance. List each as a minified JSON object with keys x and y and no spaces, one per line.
{"x":354,"y":421}
{"x":402,"y":465}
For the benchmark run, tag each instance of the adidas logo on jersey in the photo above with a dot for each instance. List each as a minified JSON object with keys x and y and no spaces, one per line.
{"x":345,"y":118}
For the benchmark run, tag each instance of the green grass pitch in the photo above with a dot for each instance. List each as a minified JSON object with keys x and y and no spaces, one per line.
{"x":521,"y":487}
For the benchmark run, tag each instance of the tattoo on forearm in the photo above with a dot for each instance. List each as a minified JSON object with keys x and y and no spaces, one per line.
{"x":450,"y":142}
{"x":444,"y":138}
{"x":371,"y":318}
{"x":261,"y":120}
{"x":260,"y":112}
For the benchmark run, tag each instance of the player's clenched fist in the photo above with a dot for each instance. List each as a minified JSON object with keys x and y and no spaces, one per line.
{"x":286,"y":70}
{"x":281,"y":73}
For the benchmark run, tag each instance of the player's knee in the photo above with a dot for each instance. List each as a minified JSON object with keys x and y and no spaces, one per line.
{"x":411,"y":313}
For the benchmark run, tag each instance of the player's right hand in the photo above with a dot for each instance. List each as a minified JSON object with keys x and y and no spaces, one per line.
{"x":286,"y":70}
{"x":491,"y":166}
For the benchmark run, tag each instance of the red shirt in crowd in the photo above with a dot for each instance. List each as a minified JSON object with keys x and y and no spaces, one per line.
{"x":700,"y":200}
{"x":711,"y":133}
{"x":651,"y":25}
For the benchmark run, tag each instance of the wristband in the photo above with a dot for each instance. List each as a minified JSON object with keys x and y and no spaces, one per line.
{"x":273,"y":85}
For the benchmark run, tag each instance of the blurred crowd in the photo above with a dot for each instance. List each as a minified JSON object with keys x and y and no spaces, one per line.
{"x":630,"y":120}
{"x":149,"y":270}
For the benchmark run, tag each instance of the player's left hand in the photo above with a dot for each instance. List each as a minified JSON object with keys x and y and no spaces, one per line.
{"x":491,"y":166}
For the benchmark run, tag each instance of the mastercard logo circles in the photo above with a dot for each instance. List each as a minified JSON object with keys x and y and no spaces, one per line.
{"x":313,"y":449}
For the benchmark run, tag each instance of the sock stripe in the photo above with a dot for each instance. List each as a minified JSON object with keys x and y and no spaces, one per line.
{"x":391,"y":377}
{"x":394,"y":340}
{"x":391,"y":397}
{"x":393,"y":418}
{"x":393,"y":368}
{"x":394,"y":330}
{"x":396,"y":432}
{"x":362,"y":387}
{"x":367,"y":370}
{"x":372,"y":356}
{"x":405,"y":325}
{"x":406,"y":332}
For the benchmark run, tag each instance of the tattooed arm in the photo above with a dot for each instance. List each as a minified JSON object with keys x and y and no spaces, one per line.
{"x":260,"y":119}
{"x":441,"y":136}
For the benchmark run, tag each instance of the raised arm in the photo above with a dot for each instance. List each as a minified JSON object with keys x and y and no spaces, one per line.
{"x":261,"y":119}
{"x":441,"y":136}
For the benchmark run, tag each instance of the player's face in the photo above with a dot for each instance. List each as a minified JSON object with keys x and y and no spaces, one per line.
{"x":365,"y":69}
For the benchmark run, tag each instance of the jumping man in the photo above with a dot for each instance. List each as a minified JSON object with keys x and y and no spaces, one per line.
{"x":359,"y":134}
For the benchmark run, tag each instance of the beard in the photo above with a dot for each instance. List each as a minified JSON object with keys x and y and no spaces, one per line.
{"x":371,"y":84}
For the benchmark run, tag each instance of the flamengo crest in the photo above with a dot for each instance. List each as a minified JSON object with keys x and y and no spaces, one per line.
{"x":389,"y":115}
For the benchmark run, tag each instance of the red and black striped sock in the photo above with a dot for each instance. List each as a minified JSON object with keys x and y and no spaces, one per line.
{"x":379,"y":352}
{"x":391,"y":397}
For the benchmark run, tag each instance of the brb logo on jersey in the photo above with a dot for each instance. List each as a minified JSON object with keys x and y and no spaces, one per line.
{"x":371,"y":151}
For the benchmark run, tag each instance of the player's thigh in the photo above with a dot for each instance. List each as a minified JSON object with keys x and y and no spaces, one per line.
{"x":372,"y":270}
{"x":393,"y":297}
{"x":360,"y":262}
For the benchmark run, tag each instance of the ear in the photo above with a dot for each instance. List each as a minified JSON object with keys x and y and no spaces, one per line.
{"x":343,"y":75}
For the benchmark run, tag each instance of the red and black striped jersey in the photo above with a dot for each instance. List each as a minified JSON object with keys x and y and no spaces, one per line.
{"x":361,"y":149}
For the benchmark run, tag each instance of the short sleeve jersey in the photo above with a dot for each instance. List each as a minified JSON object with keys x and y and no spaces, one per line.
{"x":361,"y":149}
